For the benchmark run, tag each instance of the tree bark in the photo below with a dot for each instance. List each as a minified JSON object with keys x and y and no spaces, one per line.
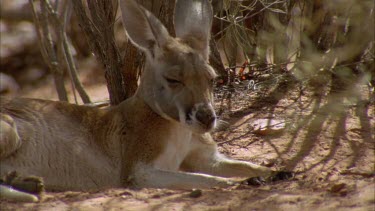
{"x":98,"y":26}
{"x":216,"y":62}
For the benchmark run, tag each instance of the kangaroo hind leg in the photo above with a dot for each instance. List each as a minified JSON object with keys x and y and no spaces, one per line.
{"x":9,"y":138}
{"x":14,"y":187}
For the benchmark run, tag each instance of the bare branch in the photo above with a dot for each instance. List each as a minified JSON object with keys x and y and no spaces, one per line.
{"x":59,"y":27}
{"x":46,"y":47}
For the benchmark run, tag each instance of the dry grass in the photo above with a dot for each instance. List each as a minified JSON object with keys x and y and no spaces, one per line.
{"x":302,"y":38}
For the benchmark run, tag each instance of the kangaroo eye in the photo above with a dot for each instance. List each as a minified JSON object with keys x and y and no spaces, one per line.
{"x":173,"y":82}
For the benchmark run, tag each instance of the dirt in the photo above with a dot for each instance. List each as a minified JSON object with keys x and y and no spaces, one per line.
{"x":328,"y":140}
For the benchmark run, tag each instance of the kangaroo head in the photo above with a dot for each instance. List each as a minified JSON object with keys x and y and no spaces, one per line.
{"x":177,"y":80}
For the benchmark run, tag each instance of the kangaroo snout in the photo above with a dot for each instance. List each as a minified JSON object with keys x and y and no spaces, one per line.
{"x":205,"y":115}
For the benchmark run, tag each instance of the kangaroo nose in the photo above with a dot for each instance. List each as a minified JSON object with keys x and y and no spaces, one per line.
{"x":206,"y":116}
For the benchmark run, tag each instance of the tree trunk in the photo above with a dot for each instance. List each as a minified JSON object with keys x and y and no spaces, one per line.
{"x":216,"y":62}
{"x":97,"y":23}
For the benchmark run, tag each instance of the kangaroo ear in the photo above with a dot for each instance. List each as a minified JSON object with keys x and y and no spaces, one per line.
{"x":193,"y":20}
{"x":143,"y":28}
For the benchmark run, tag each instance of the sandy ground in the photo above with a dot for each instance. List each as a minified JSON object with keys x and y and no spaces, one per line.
{"x":327,"y":140}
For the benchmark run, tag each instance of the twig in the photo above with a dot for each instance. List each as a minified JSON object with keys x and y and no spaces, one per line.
{"x":66,"y":51}
{"x":49,"y":55}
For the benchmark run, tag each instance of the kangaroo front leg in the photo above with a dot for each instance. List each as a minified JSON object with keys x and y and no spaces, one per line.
{"x":205,"y":158}
{"x":148,"y":176}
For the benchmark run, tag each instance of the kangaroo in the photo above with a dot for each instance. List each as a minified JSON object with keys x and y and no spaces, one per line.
{"x":159,"y":138}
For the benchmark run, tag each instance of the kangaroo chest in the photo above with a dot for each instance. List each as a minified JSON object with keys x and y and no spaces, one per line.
{"x":176,"y":148}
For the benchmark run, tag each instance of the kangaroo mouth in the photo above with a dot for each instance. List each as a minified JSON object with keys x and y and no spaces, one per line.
{"x":199,"y":126}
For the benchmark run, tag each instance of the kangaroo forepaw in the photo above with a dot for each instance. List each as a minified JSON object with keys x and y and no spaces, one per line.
{"x":278,"y":176}
{"x":29,"y":184}
{"x":282,"y":175}
{"x":255,"y":181}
